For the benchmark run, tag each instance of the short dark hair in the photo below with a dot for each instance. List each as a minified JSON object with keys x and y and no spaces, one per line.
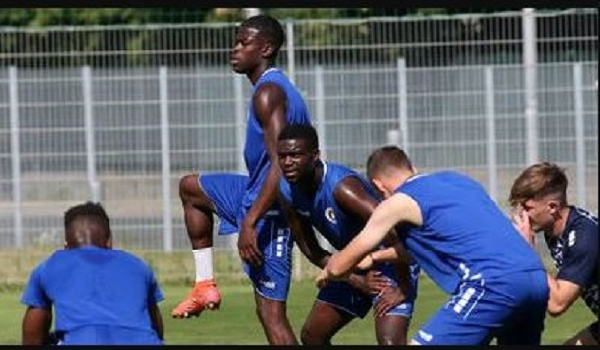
{"x":269,"y":29}
{"x":537,"y":182}
{"x":387,"y":157}
{"x":301,"y":132}
{"x":92,"y":210}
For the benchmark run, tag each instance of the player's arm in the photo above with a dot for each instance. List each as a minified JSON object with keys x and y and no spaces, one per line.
{"x":352,"y":197}
{"x":156,"y":320}
{"x":562,"y":295}
{"x":398,"y":208}
{"x":270,"y":108}
{"x":36,"y":326}
{"x":578,"y":267}
{"x":304,"y":236}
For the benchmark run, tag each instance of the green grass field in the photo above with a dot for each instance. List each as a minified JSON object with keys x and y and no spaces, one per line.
{"x":235,"y":323}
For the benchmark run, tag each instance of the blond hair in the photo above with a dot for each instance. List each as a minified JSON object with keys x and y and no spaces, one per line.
{"x":540,"y":181}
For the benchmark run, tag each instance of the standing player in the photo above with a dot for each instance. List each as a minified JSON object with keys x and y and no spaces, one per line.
{"x":338,"y":202}
{"x":100,"y":296}
{"x":464,"y":242}
{"x":539,"y":196}
{"x":248,"y":203}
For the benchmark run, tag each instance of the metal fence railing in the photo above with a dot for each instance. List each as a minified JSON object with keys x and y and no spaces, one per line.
{"x":118,"y":114}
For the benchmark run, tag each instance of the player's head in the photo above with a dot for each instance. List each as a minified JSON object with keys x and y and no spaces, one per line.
{"x":387,"y":168}
{"x":298,"y":152}
{"x":259,"y":39}
{"x":87,"y":224}
{"x":541,"y":190}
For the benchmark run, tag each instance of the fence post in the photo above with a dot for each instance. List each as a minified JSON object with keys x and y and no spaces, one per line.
{"x":240,"y":121}
{"x":579,"y":135}
{"x":15,"y":154}
{"x":90,"y":144}
{"x":320,"y":110}
{"x":491,"y":133}
{"x":166,"y":160}
{"x":530,"y":66}
{"x":402,"y":104}
{"x":291,"y":57}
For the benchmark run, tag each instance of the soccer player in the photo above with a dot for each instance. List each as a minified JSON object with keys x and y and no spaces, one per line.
{"x":539,"y":197}
{"x":467,"y":246}
{"x":248,"y":203}
{"x":338,"y":202}
{"x":100,"y":296}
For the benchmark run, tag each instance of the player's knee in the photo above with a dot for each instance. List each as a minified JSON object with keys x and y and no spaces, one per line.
{"x":271,"y":315}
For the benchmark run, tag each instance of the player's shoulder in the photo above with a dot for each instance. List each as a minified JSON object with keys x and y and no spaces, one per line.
{"x":130,"y":258}
{"x":583,"y":218}
{"x":581,"y":226}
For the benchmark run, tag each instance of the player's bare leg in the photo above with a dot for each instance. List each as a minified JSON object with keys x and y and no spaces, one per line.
{"x":273,"y":318}
{"x":198,"y":216}
{"x":392,"y":330}
{"x":323,"y":322}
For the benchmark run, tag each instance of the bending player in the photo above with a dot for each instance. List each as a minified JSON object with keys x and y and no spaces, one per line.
{"x":466,"y":245}
{"x":338,"y":202}
{"x":539,"y":196}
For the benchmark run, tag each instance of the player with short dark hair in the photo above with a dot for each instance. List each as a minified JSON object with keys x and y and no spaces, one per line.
{"x":248,"y":203}
{"x":467,"y":246}
{"x":100,"y":296}
{"x":539,"y":197}
{"x":338,"y":201}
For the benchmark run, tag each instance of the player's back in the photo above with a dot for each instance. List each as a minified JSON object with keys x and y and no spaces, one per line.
{"x":255,"y":153}
{"x":324,"y":212}
{"x":100,"y":296}
{"x":464,"y":234}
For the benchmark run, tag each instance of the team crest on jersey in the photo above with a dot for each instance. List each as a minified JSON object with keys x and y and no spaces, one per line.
{"x":330,"y":215}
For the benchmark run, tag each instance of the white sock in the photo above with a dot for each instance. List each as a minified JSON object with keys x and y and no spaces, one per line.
{"x":203,"y":259}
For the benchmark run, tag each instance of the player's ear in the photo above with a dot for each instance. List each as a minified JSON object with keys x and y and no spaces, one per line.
{"x":267,"y":50}
{"x":379,"y":185}
{"x":553,"y":207}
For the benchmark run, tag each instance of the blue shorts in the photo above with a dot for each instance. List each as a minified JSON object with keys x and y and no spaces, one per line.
{"x":272,"y":278}
{"x":343,"y":296}
{"x":511,"y":309}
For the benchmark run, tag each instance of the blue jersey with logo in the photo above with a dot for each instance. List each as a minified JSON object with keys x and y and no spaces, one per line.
{"x":325,"y":215}
{"x":464,"y":234}
{"x":575,"y":254}
{"x":256,"y":156}
{"x":96,"y":291}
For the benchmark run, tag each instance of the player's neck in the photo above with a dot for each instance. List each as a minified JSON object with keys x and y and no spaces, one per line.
{"x":561,"y":223}
{"x":311,"y":187}
{"x":258,"y":72}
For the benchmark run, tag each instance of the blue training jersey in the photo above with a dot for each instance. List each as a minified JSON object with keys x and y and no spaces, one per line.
{"x":337,"y":227}
{"x":575,"y":254}
{"x":256,"y":156}
{"x":92,"y":287}
{"x":464,"y":235}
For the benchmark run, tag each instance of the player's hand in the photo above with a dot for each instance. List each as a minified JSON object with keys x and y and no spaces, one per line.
{"x":376,"y":282}
{"x":322,"y":279}
{"x":366,"y":263}
{"x":247,"y":246}
{"x":521,"y":222}
{"x":389,"y":298}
